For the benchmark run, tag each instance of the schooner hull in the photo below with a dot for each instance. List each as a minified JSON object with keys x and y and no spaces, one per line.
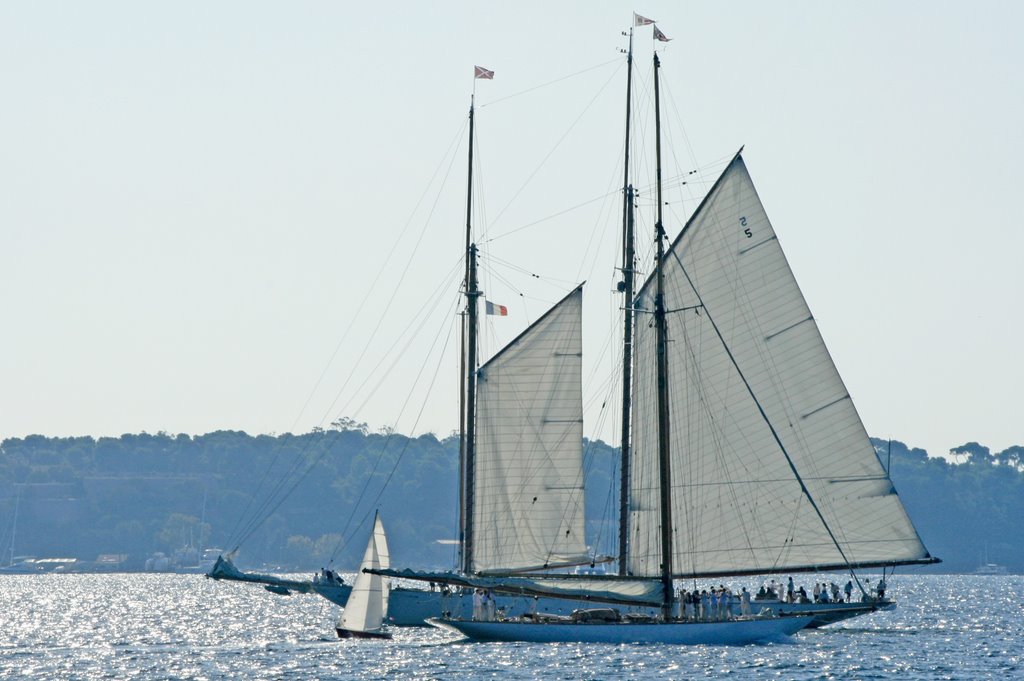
{"x":737,"y":632}
{"x":827,"y":613}
{"x":413,"y":607}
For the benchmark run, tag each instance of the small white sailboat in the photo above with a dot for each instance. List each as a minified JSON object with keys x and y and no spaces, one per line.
{"x":367,"y":605}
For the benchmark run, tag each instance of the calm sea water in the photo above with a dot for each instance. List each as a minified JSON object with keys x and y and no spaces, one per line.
{"x":188,"y":627}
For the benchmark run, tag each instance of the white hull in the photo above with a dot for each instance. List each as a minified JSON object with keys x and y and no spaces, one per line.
{"x":990,"y":569}
{"x":737,"y":632}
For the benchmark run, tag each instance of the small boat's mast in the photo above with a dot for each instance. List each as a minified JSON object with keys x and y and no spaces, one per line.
{"x":468,"y":416}
{"x":664,"y":462}
{"x":626,"y":287}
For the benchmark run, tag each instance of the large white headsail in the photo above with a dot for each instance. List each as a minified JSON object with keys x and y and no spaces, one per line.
{"x":736,"y":317}
{"x":528,"y":497}
{"x":368,"y":603}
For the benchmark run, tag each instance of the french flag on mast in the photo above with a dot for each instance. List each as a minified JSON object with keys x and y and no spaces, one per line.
{"x":494,"y":308}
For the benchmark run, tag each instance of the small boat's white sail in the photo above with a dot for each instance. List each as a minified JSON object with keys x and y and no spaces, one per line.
{"x":368,"y":603}
{"x":745,"y":352}
{"x":528,"y":496}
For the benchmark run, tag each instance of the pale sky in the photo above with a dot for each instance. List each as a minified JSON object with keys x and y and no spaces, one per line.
{"x":198,"y":199}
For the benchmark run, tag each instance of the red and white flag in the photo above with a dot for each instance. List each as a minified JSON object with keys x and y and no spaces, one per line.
{"x":481,"y":72}
{"x":494,"y":308}
{"x":658,"y":35}
{"x":641,"y":21}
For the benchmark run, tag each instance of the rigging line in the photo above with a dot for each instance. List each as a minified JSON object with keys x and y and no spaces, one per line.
{"x":551,"y":82}
{"x":260,"y":515}
{"x":686,"y":138}
{"x":550,"y":153}
{"x":255,"y":520}
{"x":445,"y":323}
{"x":455,"y":142}
{"x":394,"y":294}
{"x":309,"y":469}
{"x":767,"y":421}
{"x":552,"y":216}
{"x":610,"y":217}
{"x":412,"y":333}
{"x":408,"y":440}
{"x":352,"y":323}
{"x":522,"y":270}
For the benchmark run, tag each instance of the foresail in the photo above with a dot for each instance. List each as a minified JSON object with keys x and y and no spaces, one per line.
{"x":528,"y":496}
{"x":739,"y":329}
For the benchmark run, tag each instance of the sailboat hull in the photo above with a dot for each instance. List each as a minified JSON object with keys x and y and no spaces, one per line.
{"x":349,"y":633}
{"x":829,"y":613}
{"x":737,"y":632}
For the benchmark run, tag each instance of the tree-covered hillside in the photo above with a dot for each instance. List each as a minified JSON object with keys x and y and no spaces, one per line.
{"x":294,"y":500}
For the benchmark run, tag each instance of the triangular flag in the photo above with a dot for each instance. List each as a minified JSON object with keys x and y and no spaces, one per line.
{"x":481,"y":72}
{"x":658,"y":35}
{"x":494,"y":308}
{"x":641,"y":21}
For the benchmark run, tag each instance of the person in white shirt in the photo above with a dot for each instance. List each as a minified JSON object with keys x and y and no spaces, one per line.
{"x":478,"y":604}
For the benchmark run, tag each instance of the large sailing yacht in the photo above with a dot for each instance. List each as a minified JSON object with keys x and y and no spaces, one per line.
{"x":747,"y":455}
{"x":742,"y":453}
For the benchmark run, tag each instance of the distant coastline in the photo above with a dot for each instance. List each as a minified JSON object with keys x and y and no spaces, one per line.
{"x":117,"y":502}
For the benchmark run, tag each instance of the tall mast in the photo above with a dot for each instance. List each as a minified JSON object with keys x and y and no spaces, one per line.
{"x":664,"y":462}
{"x":468,"y":416}
{"x":626,"y":286}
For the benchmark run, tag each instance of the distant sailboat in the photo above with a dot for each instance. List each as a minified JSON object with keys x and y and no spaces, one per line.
{"x":367,"y":605}
{"x":990,"y":569}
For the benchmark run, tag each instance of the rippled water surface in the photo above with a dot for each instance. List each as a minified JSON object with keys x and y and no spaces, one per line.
{"x":187,"y":627}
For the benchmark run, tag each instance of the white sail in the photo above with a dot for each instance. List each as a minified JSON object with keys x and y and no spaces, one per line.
{"x":368,"y":603}
{"x":528,"y":496}
{"x":738,"y":506}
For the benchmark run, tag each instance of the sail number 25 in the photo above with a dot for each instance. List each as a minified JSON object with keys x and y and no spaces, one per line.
{"x":743,"y":223}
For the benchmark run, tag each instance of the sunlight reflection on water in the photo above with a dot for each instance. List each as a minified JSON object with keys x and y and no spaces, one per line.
{"x":137,"y":626}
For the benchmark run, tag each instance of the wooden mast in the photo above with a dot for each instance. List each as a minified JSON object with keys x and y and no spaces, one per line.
{"x":664,"y":460}
{"x":468,"y":415}
{"x":626,"y":286}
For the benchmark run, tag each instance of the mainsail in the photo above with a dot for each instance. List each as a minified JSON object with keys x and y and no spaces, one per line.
{"x":757,"y":406}
{"x":368,"y":603}
{"x":528,"y":489}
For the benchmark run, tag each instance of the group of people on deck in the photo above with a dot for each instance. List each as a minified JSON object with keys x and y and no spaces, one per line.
{"x":711,"y":606}
{"x":719,"y":604}
{"x":483,"y":605}
{"x":326,"y":576}
{"x":825,"y":592}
